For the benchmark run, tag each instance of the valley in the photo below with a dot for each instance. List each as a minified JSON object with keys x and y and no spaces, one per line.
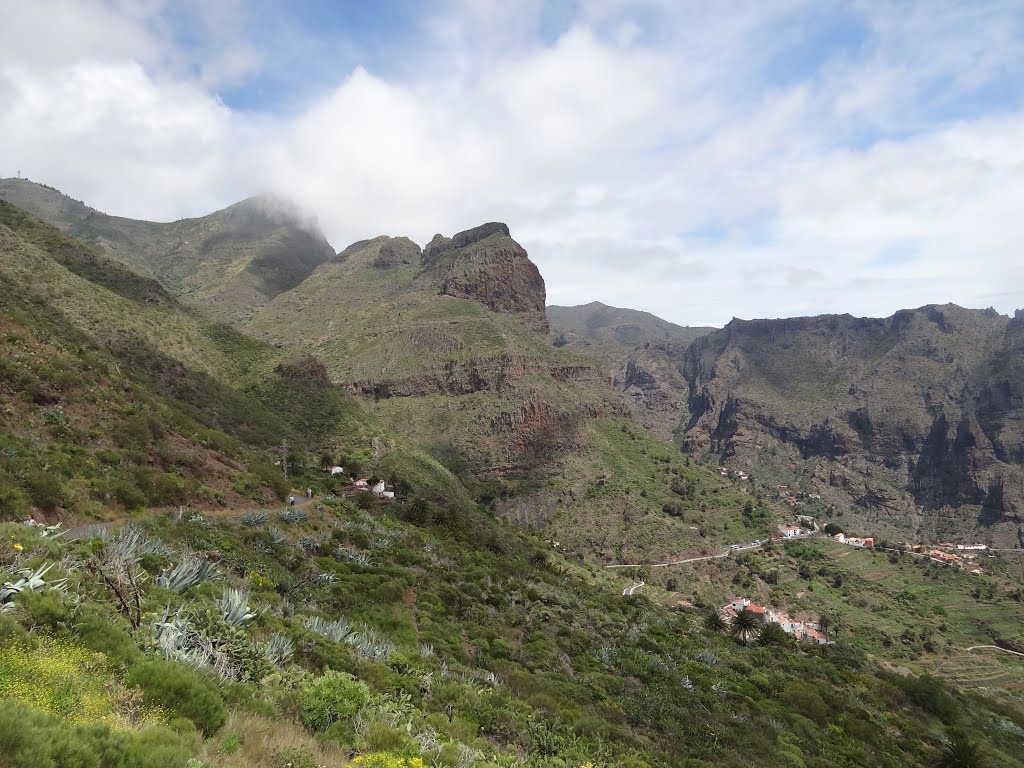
{"x":576,"y":491}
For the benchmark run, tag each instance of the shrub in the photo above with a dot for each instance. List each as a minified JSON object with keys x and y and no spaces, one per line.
{"x":332,"y":697}
{"x":182,"y":690}
{"x":100,"y":633}
{"x":31,"y":739}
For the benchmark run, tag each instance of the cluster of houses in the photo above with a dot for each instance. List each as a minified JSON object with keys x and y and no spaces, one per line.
{"x":737,"y":473}
{"x":793,"y":498}
{"x":359,"y":484}
{"x":802,"y":630}
{"x":954,"y":555}
{"x":866,"y":542}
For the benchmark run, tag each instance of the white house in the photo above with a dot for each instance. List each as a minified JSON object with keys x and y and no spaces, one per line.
{"x":337,"y":471}
{"x":380,"y":490}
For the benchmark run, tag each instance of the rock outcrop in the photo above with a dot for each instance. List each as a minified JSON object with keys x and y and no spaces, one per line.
{"x":486,"y":265}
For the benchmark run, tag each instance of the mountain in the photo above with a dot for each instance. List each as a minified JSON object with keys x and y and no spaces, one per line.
{"x":116,"y":396}
{"x":209,"y":624}
{"x":636,"y":348}
{"x":913,"y":423}
{"x":228,"y":262}
{"x":448,"y":347}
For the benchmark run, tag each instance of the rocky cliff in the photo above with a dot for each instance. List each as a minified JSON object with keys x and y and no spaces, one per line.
{"x":639,"y":351}
{"x":486,"y":265}
{"x":913,"y":421}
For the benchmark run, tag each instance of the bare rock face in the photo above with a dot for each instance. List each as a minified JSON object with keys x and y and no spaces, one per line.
{"x":485,"y":264}
{"x":916,"y":420}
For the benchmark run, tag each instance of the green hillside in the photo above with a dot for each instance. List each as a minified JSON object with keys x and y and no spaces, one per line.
{"x":212,"y":625}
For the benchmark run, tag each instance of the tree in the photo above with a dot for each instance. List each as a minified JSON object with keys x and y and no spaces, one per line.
{"x":745,"y":626}
{"x":713,"y":622}
{"x":773,"y":634}
{"x":832,"y":529}
{"x":959,"y":751}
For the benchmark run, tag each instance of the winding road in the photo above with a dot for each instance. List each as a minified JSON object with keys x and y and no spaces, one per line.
{"x":687,"y":560}
{"x":631,"y":590}
{"x":987,"y":647}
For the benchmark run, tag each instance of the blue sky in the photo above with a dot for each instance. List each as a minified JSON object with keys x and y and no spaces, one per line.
{"x":696,"y":160}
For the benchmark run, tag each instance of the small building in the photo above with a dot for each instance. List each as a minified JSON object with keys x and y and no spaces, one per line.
{"x":336,"y":471}
{"x":361,"y":482}
{"x":944,"y":558}
{"x":791,"y":531}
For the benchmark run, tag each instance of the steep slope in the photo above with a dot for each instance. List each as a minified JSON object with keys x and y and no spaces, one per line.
{"x":227,"y":262}
{"x":638,"y":350}
{"x":114,"y":396}
{"x":914,"y":421}
{"x":450,"y":345}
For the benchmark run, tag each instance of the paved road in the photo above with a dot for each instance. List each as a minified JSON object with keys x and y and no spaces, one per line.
{"x":687,"y":560}
{"x":991,"y":647}
{"x":633,"y":589}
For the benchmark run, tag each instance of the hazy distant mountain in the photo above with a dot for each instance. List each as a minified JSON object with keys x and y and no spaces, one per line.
{"x":228,"y":262}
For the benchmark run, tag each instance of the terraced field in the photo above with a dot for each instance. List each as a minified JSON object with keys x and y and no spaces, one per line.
{"x":982,"y":669}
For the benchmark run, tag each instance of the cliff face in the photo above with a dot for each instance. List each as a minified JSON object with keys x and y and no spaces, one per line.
{"x":639,"y":351}
{"x":916,"y":420}
{"x":485,"y":264}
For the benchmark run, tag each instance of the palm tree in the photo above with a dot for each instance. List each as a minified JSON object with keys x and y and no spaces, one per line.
{"x":773,"y":634}
{"x":713,"y":622}
{"x":824,"y":622}
{"x":959,"y":751}
{"x":745,"y":626}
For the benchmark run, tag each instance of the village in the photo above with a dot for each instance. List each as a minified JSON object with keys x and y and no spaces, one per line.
{"x":805,"y":631}
{"x":358,"y":485}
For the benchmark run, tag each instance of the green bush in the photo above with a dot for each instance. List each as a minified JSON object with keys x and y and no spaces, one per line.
{"x":332,"y":697}
{"x":182,"y":690}
{"x":12,"y":633}
{"x":99,"y":632}
{"x":46,"y":489}
{"x":31,"y":739}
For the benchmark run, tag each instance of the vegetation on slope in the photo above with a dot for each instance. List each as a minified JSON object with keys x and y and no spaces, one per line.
{"x":453,"y":640}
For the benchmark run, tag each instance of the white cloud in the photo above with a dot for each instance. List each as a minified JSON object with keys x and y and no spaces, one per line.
{"x":647,"y":155}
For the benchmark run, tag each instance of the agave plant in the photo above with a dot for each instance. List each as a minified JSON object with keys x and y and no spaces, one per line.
{"x":707,"y":658}
{"x":27,"y":580}
{"x":276,"y":535}
{"x":189,"y":572}
{"x":278,"y":649}
{"x":255,"y":517}
{"x":293,"y":515}
{"x":339,"y":631}
{"x":425,"y":649}
{"x":349,"y":555}
{"x":130,"y":543}
{"x":233,"y":605}
{"x":370,"y":645}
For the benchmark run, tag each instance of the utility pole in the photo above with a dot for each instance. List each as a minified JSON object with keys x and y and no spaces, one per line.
{"x":284,"y":458}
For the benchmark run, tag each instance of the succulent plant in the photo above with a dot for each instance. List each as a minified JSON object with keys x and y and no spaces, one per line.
{"x":233,"y":605}
{"x":279,"y":649}
{"x":191,"y":571}
{"x":255,"y":517}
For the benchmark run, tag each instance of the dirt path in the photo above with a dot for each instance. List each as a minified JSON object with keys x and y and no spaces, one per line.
{"x":632,"y":590}
{"x":687,"y":560}
{"x":993,"y":648}
{"x":89,"y":530}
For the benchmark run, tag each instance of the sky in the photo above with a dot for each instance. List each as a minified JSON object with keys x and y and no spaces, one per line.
{"x":701,"y":161}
